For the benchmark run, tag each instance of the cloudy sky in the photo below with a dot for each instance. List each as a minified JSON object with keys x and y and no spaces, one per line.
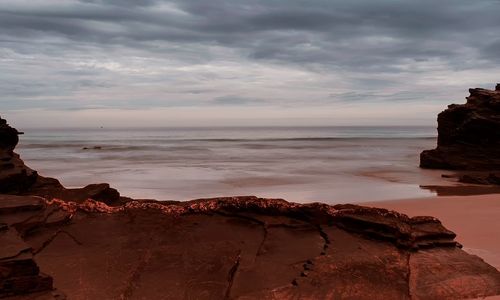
{"x":269,"y":62}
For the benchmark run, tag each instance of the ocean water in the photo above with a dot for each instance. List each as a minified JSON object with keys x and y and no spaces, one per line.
{"x":303,"y":164}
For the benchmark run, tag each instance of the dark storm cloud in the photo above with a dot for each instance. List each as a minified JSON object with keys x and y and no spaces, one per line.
{"x":63,"y":49}
{"x":218,"y":18}
{"x":254,"y":25}
{"x":492,"y":50}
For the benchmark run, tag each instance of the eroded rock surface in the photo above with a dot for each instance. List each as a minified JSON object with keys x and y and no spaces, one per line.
{"x":14,"y":175}
{"x":468,"y":134}
{"x":19,"y":273}
{"x":245,"y":248}
{"x":483,"y":179}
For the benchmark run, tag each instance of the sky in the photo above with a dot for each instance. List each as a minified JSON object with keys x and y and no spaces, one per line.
{"x":242,"y":63}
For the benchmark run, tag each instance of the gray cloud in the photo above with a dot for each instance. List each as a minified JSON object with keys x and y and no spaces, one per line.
{"x":237,"y":100}
{"x":146,"y":53}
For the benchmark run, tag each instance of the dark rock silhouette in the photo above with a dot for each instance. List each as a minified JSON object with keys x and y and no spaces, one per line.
{"x":14,"y":175}
{"x":223,"y":248}
{"x":17,"y":178}
{"x":484,"y":179}
{"x":468,"y":134}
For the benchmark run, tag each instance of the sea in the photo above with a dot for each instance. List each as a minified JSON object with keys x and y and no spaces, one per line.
{"x":300,"y":164}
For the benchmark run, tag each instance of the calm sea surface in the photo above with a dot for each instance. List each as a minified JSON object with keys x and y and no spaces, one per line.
{"x":328,"y":164}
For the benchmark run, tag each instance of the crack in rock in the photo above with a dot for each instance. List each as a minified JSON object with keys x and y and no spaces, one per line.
{"x":325,"y":237}
{"x":264,"y":238}
{"x":307,"y":266}
{"x":26,"y":250}
{"x":52,"y":238}
{"x":254,"y":220}
{"x":26,"y":231}
{"x":409,"y":275}
{"x":231,"y":275}
{"x":132,"y":281}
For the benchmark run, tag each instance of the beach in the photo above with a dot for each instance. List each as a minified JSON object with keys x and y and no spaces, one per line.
{"x":300,"y":164}
{"x":370,"y":166}
{"x":473,"y":218}
{"x":374,"y":166}
{"x":241,"y":246}
{"x":268,"y":150}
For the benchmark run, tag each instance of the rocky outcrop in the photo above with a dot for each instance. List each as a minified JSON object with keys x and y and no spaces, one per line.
{"x":468,"y":134}
{"x":14,"y":175}
{"x":16,"y":178}
{"x":19,"y":273}
{"x":8,"y":137}
{"x":483,"y":179}
{"x":100,"y":192}
{"x":244,"y":248}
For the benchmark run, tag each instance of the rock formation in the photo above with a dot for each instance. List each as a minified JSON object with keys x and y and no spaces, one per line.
{"x":224,"y":248}
{"x":14,"y":175}
{"x":484,"y":179}
{"x":468,"y":134}
{"x":239,"y":248}
{"x":17,"y":178}
{"x":19,"y":274}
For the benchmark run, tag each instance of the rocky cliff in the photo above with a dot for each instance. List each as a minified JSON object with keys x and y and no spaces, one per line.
{"x":14,"y":175}
{"x":17,"y":178}
{"x":468,"y":134}
{"x":222,"y":248}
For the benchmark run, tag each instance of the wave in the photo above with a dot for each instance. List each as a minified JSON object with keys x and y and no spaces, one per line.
{"x":204,"y":144}
{"x":150,"y":144}
{"x":111,"y":148}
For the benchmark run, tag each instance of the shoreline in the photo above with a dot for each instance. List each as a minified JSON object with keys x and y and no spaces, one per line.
{"x":473,"y":218}
{"x":243,"y":247}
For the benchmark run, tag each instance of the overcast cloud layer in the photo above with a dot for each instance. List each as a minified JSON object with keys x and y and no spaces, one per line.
{"x":266,"y":62}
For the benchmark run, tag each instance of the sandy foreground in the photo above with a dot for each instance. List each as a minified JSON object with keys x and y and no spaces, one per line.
{"x":475,"y":220}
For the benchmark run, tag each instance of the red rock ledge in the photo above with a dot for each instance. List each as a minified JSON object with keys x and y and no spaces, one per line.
{"x":232,"y":248}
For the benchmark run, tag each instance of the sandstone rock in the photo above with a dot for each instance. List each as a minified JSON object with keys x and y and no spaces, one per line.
{"x":14,"y":175}
{"x":8,"y":136}
{"x":102,"y":192}
{"x":17,"y":178}
{"x":468,"y":134}
{"x":233,"y":248}
{"x":19,"y":274}
{"x":10,"y":204}
{"x":255,"y":248}
{"x":485,"y":179}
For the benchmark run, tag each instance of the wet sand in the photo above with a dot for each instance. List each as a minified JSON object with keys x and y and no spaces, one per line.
{"x":475,"y":220}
